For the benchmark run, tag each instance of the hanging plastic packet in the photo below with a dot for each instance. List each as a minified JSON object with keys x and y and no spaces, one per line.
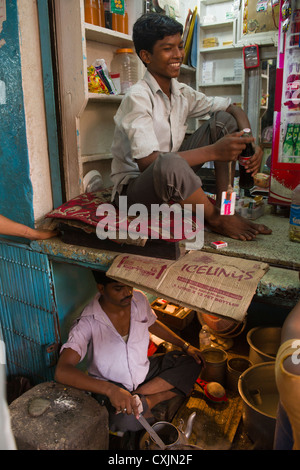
{"x":102,"y":71}
{"x":285,"y":25}
{"x":228,"y":202}
{"x":228,"y":197}
{"x":286,"y":9}
{"x":95,"y":84}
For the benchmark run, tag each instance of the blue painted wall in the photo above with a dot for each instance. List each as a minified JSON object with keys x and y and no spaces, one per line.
{"x":16,"y":194}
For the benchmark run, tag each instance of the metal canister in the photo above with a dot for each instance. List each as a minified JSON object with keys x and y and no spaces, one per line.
{"x":235,"y":367}
{"x":215,"y":365}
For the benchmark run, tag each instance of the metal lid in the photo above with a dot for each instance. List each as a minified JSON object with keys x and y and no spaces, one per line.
{"x":123,"y":51}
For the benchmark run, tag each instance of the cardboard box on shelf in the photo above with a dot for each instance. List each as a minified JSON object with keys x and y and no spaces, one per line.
{"x":215,"y":283}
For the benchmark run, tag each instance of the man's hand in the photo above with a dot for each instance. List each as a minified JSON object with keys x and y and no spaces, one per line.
{"x":123,"y":401}
{"x":196,"y":354}
{"x":229,"y":147}
{"x":253,"y":166}
{"x":42,"y":234}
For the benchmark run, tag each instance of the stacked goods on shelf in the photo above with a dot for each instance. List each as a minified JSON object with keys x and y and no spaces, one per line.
{"x":99,"y":80}
{"x":210,"y":42}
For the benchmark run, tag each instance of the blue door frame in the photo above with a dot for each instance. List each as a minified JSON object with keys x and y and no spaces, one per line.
{"x":49,"y":92}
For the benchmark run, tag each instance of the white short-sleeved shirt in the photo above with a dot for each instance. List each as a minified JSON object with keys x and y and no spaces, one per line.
{"x":148,"y":121}
{"x":109,"y":357}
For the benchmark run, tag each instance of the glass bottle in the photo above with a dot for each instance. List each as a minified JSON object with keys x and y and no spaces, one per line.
{"x":101,"y":13}
{"x":246,"y":181}
{"x":288,"y":144}
{"x":204,"y":338}
{"x":91,"y":12}
{"x":294,"y":228}
{"x":296,"y":139}
{"x":107,"y":14}
{"x":123,"y":22}
{"x":114,"y":21}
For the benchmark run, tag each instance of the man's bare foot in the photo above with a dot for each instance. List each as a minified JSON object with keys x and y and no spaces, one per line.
{"x":235,"y":226}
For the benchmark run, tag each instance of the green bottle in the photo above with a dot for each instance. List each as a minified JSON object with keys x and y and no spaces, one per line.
{"x":288,"y":144}
{"x":296,"y":140}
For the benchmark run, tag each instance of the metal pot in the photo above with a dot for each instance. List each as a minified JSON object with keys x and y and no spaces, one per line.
{"x":215,"y":365}
{"x":257,"y":387}
{"x":264,"y":343}
{"x":173,"y":437}
{"x":235,"y":367}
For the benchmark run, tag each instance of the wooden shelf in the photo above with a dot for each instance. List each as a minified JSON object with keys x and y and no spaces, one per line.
{"x":207,"y":50}
{"x":95,"y":157}
{"x":187,"y":69}
{"x":104,"y":97}
{"x":218,"y":24}
{"x":107,"y":36}
{"x":231,"y":83}
{"x":211,"y":2}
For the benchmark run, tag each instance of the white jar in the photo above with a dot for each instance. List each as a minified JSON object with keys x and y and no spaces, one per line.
{"x":125,"y":62}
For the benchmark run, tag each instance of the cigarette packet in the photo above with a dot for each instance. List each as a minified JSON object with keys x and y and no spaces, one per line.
{"x":219,"y":244}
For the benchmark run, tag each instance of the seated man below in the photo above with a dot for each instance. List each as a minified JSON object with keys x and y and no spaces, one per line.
{"x":113,"y":331}
{"x":152,"y":162}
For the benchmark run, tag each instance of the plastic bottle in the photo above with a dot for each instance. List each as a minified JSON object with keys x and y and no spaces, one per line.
{"x":294,"y":229}
{"x":125,"y":63}
{"x":204,"y":338}
{"x":91,"y":12}
{"x":246,"y":181}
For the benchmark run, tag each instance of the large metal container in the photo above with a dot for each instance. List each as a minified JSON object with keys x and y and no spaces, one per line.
{"x":264,"y":343}
{"x":257,"y":387}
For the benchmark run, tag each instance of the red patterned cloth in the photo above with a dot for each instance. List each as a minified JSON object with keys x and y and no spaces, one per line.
{"x":83,"y":209}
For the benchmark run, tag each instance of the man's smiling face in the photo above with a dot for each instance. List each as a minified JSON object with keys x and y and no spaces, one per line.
{"x":166,"y":58}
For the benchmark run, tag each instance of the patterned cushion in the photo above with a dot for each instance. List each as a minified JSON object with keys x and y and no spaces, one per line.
{"x":81,"y":211}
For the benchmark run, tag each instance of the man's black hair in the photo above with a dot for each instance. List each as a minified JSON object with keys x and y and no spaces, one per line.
{"x":101,"y":278}
{"x":152,"y":27}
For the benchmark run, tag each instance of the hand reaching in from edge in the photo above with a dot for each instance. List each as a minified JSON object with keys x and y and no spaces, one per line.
{"x":42,"y":234}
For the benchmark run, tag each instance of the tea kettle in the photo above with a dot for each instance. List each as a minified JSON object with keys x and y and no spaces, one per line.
{"x":173,"y":437}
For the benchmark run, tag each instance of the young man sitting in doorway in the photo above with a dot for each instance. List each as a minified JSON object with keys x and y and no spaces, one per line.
{"x":113,"y":332}
{"x":152,"y":162}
